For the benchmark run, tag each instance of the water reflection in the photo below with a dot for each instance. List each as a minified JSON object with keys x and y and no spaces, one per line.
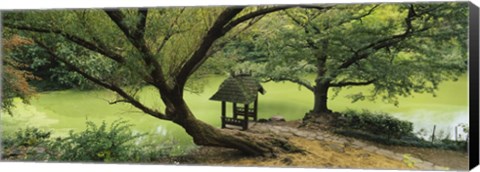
{"x":161,"y":130}
{"x":445,"y":122}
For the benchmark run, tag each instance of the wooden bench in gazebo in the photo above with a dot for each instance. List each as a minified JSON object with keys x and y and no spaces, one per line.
{"x":240,"y":90}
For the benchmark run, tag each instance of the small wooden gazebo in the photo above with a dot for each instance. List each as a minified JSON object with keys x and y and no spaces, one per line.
{"x":239,"y":89}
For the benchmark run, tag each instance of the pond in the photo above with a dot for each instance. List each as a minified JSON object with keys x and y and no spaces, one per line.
{"x":61,"y":111}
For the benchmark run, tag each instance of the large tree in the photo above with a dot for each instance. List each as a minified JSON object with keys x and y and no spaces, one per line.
{"x":158,"y":47}
{"x":397,"y":49}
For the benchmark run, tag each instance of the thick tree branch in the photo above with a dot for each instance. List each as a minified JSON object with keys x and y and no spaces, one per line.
{"x":251,"y":15}
{"x":294,"y":80}
{"x":362,"y":54}
{"x":117,"y":17}
{"x":365,"y":52}
{"x":222,"y":25}
{"x":137,"y":40}
{"x":323,"y":7}
{"x":140,"y":30}
{"x":75,"y":39}
{"x":345,"y":83}
{"x":104,"y":84}
{"x":199,"y":56}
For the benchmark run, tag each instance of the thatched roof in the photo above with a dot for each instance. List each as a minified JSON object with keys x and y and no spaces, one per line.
{"x":238,"y":89}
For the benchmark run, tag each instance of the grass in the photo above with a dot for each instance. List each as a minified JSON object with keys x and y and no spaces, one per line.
{"x":62,"y":111}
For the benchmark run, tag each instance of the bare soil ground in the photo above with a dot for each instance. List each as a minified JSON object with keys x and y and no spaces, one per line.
{"x":319,"y":155}
{"x":455,"y":160}
{"x":322,"y":154}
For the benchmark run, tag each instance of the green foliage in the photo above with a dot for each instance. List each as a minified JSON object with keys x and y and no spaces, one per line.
{"x":27,"y":144}
{"x":99,"y":143}
{"x":54,"y":75}
{"x":374,"y":123}
{"x":290,"y":44}
{"x":29,"y":137}
{"x":171,"y":35}
{"x":408,"y":140}
{"x":103,"y":143}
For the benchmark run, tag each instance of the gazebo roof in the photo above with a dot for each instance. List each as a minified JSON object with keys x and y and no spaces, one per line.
{"x":238,"y":89}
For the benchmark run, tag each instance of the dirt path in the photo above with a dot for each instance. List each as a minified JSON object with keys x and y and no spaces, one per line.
{"x":327,"y":150}
{"x":455,"y":160}
{"x":354,"y":152}
{"x":319,"y":155}
{"x":323,"y":150}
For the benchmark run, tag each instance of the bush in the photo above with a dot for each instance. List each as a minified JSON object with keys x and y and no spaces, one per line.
{"x":99,"y":143}
{"x":27,"y":144}
{"x":103,"y":143}
{"x":409,"y":140}
{"x":374,"y":123}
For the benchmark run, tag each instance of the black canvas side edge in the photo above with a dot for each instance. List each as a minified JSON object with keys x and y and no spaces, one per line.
{"x":473,"y":85}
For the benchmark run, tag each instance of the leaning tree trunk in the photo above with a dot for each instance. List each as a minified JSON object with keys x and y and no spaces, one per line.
{"x":207,"y":135}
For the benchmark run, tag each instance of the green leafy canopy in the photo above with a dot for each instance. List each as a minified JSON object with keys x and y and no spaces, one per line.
{"x":397,"y":48}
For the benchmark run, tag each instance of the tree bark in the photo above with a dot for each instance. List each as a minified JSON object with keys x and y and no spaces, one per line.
{"x":207,"y":135}
{"x":321,"y":98}
{"x":322,"y":84}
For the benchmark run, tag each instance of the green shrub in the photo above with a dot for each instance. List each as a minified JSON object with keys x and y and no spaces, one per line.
{"x":374,"y":123}
{"x":27,"y":137}
{"x":99,"y":143}
{"x":27,"y":144}
{"x":103,"y":143}
{"x":408,"y":140}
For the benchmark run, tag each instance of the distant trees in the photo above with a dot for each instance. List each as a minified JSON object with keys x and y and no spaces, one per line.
{"x":397,"y":49}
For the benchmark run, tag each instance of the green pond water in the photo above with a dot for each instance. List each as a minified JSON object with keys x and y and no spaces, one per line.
{"x":61,"y":111}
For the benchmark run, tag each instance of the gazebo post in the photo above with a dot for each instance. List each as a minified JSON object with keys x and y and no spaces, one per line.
{"x":234,"y":110}
{"x":223,"y":113}
{"x":255,"y":110}
{"x":245,"y":118}
{"x":241,"y":89}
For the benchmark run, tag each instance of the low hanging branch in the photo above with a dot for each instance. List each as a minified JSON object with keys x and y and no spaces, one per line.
{"x":345,"y":83}
{"x":136,"y":37}
{"x":294,"y":80}
{"x":77,"y":40}
{"x":104,"y":84}
{"x":363,"y":52}
{"x":251,"y":15}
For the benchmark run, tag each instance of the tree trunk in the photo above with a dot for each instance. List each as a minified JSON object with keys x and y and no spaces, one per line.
{"x":322,"y":84}
{"x":249,"y":143}
{"x":320,"y":98}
